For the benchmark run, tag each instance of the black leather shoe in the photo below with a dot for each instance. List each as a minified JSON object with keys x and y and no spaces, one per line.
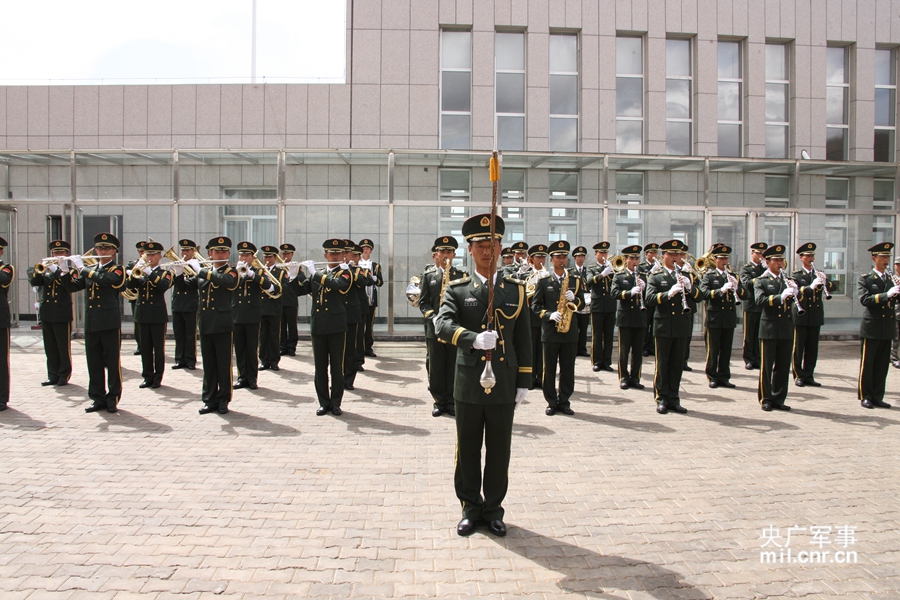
{"x":62,"y":381}
{"x":766,"y":407}
{"x":322,"y":411}
{"x":144,"y":384}
{"x":727,"y":384}
{"x":567,"y":411}
{"x":624,"y":384}
{"x":111,"y":409}
{"x":282,"y":353}
{"x":713,"y":384}
{"x":596,"y":368}
{"x":550,"y":411}
{"x":206,"y":410}
{"x":94,"y":408}
{"x":749,"y":366}
{"x":436,"y":412}
{"x":179,"y":366}
{"x":783,"y":407}
{"x":239,"y":385}
{"x":263,"y":367}
{"x":370,"y":353}
{"x":661,"y":408}
{"x":880,"y":404}
{"x":646,"y":353}
{"x":49,"y":382}
{"x":275,"y":367}
{"x":679,"y":409}
{"x":252,"y":385}
{"x":223,"y":410}
{"x":137,"y":353}
{"x":451,"y":412}
{"x":687,"y":368}
{"x":582,"y":353}
{"x":466,"y":527}
{"x":637,"y":384}
{"x":349,"y":387}
{"x":497,"y":527}
{"x":359,"y":368}
{"x":336,"y":411}
{"x":191,"y":367}
{"x":155,"y":385}
{"x":2,"y":407}
{"x":813,"y":383}
{"x":799,"y":382}
{"x":607,"y":368}
{"x":865,"y":403}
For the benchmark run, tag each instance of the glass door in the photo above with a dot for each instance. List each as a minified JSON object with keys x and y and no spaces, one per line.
{"x":8,"y":232}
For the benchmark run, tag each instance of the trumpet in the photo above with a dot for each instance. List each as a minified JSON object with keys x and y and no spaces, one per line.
{"x":704,"y":263}
{"x":532,"y":280}
{"x":41,"y":267}
{"x":824,"y":280}
{"x":618,"y":263}
{"x":136,"y":272}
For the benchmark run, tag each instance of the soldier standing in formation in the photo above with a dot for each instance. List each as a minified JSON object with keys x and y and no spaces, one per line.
{"x":508,"y":259}
{"x":559,"y":346}
{"x":270,"y":313}
{"x":247,"y":317}
{"x":775,"y":294}
{"x":442,"y":356}
{"x":753,"y":311}
{"x":723,"y":293}
{"x":485,"y":414}
{"x":603,"y":309}
{"x":150,"y":315}
{"x":878,"y":293}
{"x":631,"y":318}
{"x":368,"y":246}
{"x":895,"y":345}
{"x":102,"y":322}
{"x":185,"y":303}
{"x":520,"y":254}
{"x":650,"y":261}
{"x":583,"y":316}
{"x":353,"y":309}
{"x":537,"y":256}
{"x":290,"y":305}
{"x":807,"y":324}
{"x":694,"y":298}
{"x":365,"y":283}
{"x":328,"y":323}
{"x":216,"y":285}
{"x":7,"y":276}
{"x":56,"y":313}
{"x":136,"y":330}
{"x":667,"y":290}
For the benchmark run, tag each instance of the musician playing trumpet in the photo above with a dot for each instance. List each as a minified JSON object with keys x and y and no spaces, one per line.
{"x":151,"y":281}
{"x":879,"y":292}
{"x":813,"y":286}
{"x":185,"y":302}
{"x":603,"y":309}
{"x":723,"y":293}
{"x":776,"y":294}
{"x":247,"y":315}
{"x":555,"y":300}
{"x":631,"y":318}
{"x":55,"y":282}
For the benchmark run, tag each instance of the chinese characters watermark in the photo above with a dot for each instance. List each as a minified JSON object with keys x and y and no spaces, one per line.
{"x":816,"y":544}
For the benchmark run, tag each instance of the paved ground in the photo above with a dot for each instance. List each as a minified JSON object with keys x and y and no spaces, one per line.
{"x":271,"y":501}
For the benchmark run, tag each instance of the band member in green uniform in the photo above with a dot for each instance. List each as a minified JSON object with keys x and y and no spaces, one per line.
{"x":694,"y":298}
{"x":270,"y":313}
{"x":290,"y":306}
{"x":752,"y":311}
{"x":814,"y":289}
{"x":185,"y":304}
{"x":485,"y":414}
{"x":603,"y":309}
{"x":328,"y":323}
{"x":631,"y":318}
{"x":520,"y":254}
{"x":136,"y":330}
{"x":151,"y":282}
{"x":353,"y":309}
{"x":247,"y":316}
{"x":216,"y":285}
{"x":368,"y":246}
{"x":7,"y":276}
{"x":895,"y":345}
{"x":667,"y":290}
{"x":365,"y":282}
{"x":651,"y":251}
{"x":537,"y":256}
{"x":442,"y":356}
{"x":723,"y":292}
{"x":583,"y":316}
{"x":562,"y":289}
{"x":508,"y":259}
{"x":878,"y":293}
{"x":775,"y":293}
{"x":55,"y":282}
{"x":102,"y":321}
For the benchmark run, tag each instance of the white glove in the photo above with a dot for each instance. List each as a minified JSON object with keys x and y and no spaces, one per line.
{"x":251,"y":274}
{"x":37,"y":305}
{"x":787,"y":293}
{"x":271,"y":288}
{"x":893,"y":291}
{"x":76,"y":260}
{"x":179,"y":270}
{"x":147,"y":270}
{"x":816,"y":283}
{"x":556,"y":316}
{"x":688,"y":285}
{"x":727,"y":287}
{"x":570,"y":295}
{"x":520,"y":395}
{"x":240,"y":265}
{"x":486,"y":340}
{"x":587,"y":300}
{"x":52,"y":268}
{"x":365,"y":264}
{"x":195,"y":265}
{"x":636,"y":290}
{"x":675,"y":290}
{"x":434,"y":320}
{"x":344,"y":266}
{"x":310,"y":266}
{"x":64,"y":263}
{"x":293,"y":271}
{"x":606,"y":272}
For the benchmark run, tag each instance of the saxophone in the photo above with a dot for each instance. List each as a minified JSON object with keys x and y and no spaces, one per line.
{"x":564,"y":307}
{"x":445,"y":280}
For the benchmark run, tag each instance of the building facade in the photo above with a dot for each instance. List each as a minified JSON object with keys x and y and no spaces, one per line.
{"x":626,"y":120}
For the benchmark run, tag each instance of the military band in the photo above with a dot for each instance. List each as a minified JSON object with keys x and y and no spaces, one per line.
{"x":723,"y":293}
{"x":583,"y":316}
{"x":55,"y":282}
{"x":7,"y":276}
{"x":185,"y":305}
{"x":878,"y":292}
{"x":895,"y":345}
{"x":628,"y":289}
{"x":537,"y":259}
{"x":368,"y":246}
{"x":753,"y":311}
{"x":808,"y":315}
{"x":603,"y":309}
{"x":651,"y":254}
{"x":150,"y":282}
{"x":270,"y":312}
{"x":776,"y":294}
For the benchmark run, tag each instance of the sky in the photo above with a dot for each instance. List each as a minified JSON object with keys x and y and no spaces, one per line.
{"x":90,"y":42}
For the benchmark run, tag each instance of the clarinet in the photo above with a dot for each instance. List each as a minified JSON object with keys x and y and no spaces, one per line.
{"x":824,"y":285}
{"x":685,"y":309}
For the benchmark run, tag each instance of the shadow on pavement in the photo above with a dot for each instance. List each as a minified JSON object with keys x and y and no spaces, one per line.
{"x":645,"y":426}
{"x":371,"y":426}
{"x":588,"y":572}
{"x":757,"y":425}
{"x":124,"y":418}
{"x":532,"y":431}
{"x":255,"y":426}
{"x":868,"y":418}
{"x":360,"y":394}
{"x":14,"y":418}
{"x":384,"y":377}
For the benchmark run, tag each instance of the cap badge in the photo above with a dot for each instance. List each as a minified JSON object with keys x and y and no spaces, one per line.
{"x":221,"y":241}
{"x":445,"y":240}
{"x":103,"y":237}
{"x":485,"y":221}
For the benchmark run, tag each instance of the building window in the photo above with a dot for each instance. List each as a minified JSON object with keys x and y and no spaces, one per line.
{"x":778,"y":191}
{"x":512,"y":184}
{"x":256,"y":223}
{"x":885,"y":104}
{"x":778,"y":88}
{"x":563,"y":220}
{"x":509,"y":64}
{"x":629,"y":223}
{"x":563,"y":93}
{"x":730,"y":94}
{"x":679,"y":93}
{"x":837,"y":231}
{"x":883,"y":199}
{"x":455,"y":190}
{"x":456,"y":90}
{"x":837,"y":103}
{"x":629,"y":95}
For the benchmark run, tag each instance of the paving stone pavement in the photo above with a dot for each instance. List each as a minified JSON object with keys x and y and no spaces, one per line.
{"x":270,"y":501}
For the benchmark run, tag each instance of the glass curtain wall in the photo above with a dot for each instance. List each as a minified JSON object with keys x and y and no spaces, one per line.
{"x":679,"y":98}
{"x":837,"y":104}
{"x":629,"y":95}
{"x":563,"y":93}
{"x":730,"y":99}
{"x":777,"y":101}
{"x":885,"y":104}
{"x":456,"y":90}
{"x":509,"y":89}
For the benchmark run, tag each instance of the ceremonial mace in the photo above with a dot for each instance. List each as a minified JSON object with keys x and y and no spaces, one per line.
{"x":488,"y":380}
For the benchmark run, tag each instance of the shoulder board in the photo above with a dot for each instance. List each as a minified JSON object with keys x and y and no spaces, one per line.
{"x":797,"y":273}
{"x":465,"y":279}
{"x":430,"y":269}
{"x":512,"y":279}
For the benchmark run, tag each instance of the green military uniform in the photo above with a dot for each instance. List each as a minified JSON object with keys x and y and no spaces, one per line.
{"x":185,"y":304}
{"x":102,"y":327}
{"x":270,"y":316}
{"x":485,"y":414}
{"x":7,"y":276}
{"x":354,"y":314}
{"x":895,"y":345}
{"x":808,"y":324}
{"x":372,"y":297}
{"x":247,"y":317}
{"x":752,"y":310}
{"x":560,"y":348}
{"x":132,"y":300}
{"x":328,"y":329}
{"x":776,"y":334}
{"x":672,"y":328}
{"x":537,"y":348}
{"x":363,"y":283}
{"x":583,"y":316}
{"x":644,"y":269}
{"x":55,"y":314}
{"x":631,"y":319}
{"x":290,"y":307}
{"x":721,"y":320}
{"x":603,"y":312}
{"x":216,"y":286}
{"x":879,"y":294}
{"x":151,"y":317}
